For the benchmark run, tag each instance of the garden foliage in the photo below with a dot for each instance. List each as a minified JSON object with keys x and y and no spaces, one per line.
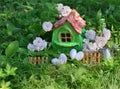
{"x":21,"y":22}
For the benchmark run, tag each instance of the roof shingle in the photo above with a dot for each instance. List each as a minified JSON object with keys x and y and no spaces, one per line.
{"x":74,"y":19}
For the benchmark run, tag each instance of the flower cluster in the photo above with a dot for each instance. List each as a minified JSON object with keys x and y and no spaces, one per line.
{"x":63,"y":10}
{"x":59,"y":61}
{"x":38,"y":44}
{"x":76,"y":55}
{"x":99,"y":41}
{"x":91,"y":43}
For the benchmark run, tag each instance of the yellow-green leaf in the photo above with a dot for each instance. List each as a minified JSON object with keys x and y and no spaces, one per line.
{"x":12,"y":48}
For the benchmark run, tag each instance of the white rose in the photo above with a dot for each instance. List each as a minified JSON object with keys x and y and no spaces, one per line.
{"x":38,"y":42}
{"x":85,"y":45}
{"x":59,"y":7}
{"x":47,"y":26}
{"x":39,"y":48}
{"x":66,"y":11}
{"x":31,"y":47}
{"x":44,"y":43}
{"x":90,"y":34}
{"x":73,"y":53}
{"x":100,"y":41}
{"x":92,"y":46}
{"x":106,"y":33}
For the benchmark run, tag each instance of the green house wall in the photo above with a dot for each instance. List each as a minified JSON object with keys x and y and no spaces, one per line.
{"x":76,"y":39}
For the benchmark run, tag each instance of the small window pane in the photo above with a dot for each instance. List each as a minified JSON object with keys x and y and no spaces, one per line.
{"x":63,"y":40}
{"x":68,"y":39}
{"x":68,"y":34}
{"x":62,"y":34}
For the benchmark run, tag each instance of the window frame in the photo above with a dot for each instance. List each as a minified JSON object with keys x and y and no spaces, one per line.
{"x":67,"y":38}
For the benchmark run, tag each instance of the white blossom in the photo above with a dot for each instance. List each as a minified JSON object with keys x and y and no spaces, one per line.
{"x":106,"y":33}
{"x":38,"y":41}
{"x":66,"y":11}
{"x":85,"y":49}
{"x":86,"y":41}
{"x":73,"y":53}
{"x":59,"y":7}
{"x":47,"y":26}
{"x":38,"y":44}
{"x":85,"y":45}
{"x":100,"y":41}
{"x":106,"y":53}
{"x":92,"y":46}
{"x":44,"y":43}
{"x":79,"y":56}
{"x":31,"y":47}
{"x":39,"y":48}
{"x":90,"y":34}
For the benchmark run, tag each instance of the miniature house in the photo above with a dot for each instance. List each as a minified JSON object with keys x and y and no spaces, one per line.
{"x":68,"y":32}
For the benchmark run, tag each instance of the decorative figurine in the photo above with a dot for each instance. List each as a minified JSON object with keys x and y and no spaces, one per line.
{"x":68,"y":32}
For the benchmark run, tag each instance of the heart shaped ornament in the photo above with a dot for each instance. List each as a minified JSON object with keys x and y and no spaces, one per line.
{"x":62,"y":58}
{"x":55,"y":61}
{"x":73,"y":53}
{"x":79,"y":56}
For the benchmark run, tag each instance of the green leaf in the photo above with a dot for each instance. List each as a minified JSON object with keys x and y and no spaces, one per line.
{"x":10,"y":70}
{"x":12,"y":48}
{"x":2,"y":75}
{"x":49,"y":87}
{"x":99,"y":15}
{"x":72,"y":78}
{"x":5,"y":85}
{"x":10,"y":28}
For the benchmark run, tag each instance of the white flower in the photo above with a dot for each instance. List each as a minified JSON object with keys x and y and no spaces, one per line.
{"x":62,"y":58}
{"x":47,"y":26}
{"x":92,"y":46}
{"x":66,"y":11}
{"x":86,"y":41}
{"x":55,"y":61}
{"x":59,"y":7}
{"x":31,"y":47}
{"x":106,"y":33}
{"x":44,"y":43}
{"x":79,"y":56}
{"x":85,"y":45}
{"x":39,"y":48}
{"x":90,"y":34}
{"x":85,"y":50}
{"x":106,"y":53}
{"x":73,"y":53}
{"x":38,"y":42}
{"x":100,"y":41}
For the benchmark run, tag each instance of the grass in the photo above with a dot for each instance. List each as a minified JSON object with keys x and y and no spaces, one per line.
{"x":20,"y":23}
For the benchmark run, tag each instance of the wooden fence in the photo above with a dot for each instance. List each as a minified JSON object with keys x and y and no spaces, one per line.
{"x":92,"y":57}
{"x":38,"y":60}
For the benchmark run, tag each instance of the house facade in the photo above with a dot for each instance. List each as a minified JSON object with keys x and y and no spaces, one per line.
{"x":68,"y":33}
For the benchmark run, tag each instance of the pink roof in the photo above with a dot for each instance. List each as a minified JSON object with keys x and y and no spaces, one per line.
{"x":74,"y":19}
